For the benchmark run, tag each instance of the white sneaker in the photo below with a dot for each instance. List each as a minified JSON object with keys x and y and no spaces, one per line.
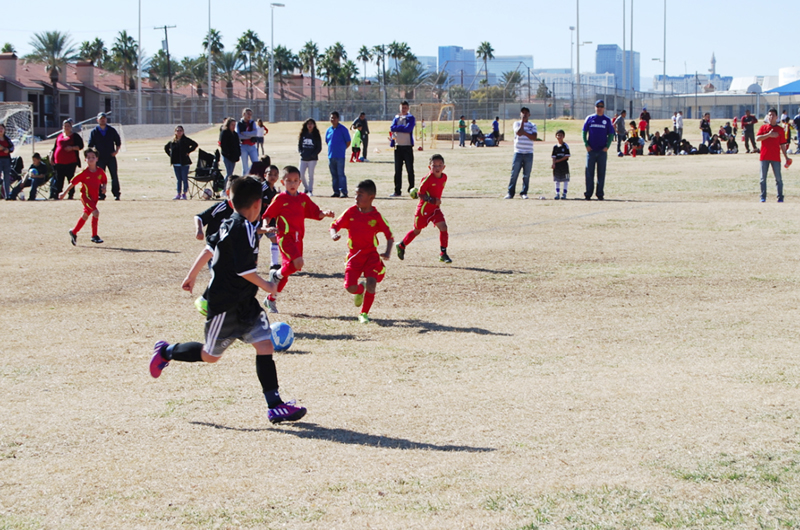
{"x":271,"y":305}
{"x":523,"y":197}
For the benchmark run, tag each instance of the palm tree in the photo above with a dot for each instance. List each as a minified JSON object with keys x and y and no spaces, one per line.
{"x":8,"y":48}
{"x":228,"y":64}
{"x":397,"y":51}
{"x":485,"y":52}
{"x":216,"y":42}
{"x":247,"y":45}
{"x":94,"y":51}
{"x":410,"y":75}
{"x":285,"y":63}
{"x":159,"y":72}
{"x":510,"y":81}
{"x":125,"y":55}
{"x":330,"y":70}
{"x":55,"y":50}
{"x":365,"y":56}
{"x":309,"y":56}
{"x":193,"y":72}
{"x":337,"y":52}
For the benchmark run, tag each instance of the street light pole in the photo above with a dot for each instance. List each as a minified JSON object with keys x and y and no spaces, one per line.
{"x":272,"y":62}
{"x":664,"y":65}
{"x":578,"y":51}
{"x":139,"y":71}
{"x":208,"y":55}
{"x":571,"y":51}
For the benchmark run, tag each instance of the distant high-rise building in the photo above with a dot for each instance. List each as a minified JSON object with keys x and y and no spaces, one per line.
{"x":506,"y":63}
{"x":458,"y":63}
{"x":608,"y":60}
{"x":428,"y":62}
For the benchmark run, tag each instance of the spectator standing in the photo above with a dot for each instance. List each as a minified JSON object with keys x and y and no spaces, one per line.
{"x":475,"y":134}
{"x":362,"y":119}
{"x":622,"y":133}
{"x":248,"y":131}
{"x":796,"y":122}
{"x":309,"y":144}
{"x":262,"y":132}
{"x":65,"y":158}
{"x":106,"y":140}
{"x":338,"y":140}
{"x":679,"y":125}
{"x":748,"y":128}
{"x":524,"y":136}
{"x":705,"y":128}
{"x":496,"y":130}
{"x":462,"y":132}
{"x":598,"y":134}
{"x":230,"y":146}
{"x":735,"y":125}
{"x":402,"y":129}
{"x":773,"y":142}
{"x":178,"y":150}
{"x":675,"y":121}
{"x":645,"y":116}
{"x":6,"y":148}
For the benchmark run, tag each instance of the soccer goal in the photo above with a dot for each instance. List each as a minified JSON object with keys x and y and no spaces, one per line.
{"x":434,"y":121}
{"x":18,"y":119}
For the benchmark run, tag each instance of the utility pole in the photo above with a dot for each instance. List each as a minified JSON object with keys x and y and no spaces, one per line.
{"x":633,"y":88}
{"x":624,"y":87}
{"x":578,"y":54}
{"x":169,"y":68}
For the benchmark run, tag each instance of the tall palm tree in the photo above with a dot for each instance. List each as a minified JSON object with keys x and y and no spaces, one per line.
{"x":228,"y":64}
{"x":337,"y":52}
{"x":410,"y":76}
{"x":94,"y":51}
{"x":193,"y":72}
{"x":485,"y":52}
{"x":158,"y":70}
{"x":379,"y":54}
{"x":261,"y":66}
{"x":216,"y":42}
{"x":309,"y":57}
{"x":285,"y":63}
{"x":125,"y":55}
{"x":330,"y":70}
{"x":398,"y":50}
{"x":55,"y":50}
{"x":247,"y":45}
{"x":365,"y":56}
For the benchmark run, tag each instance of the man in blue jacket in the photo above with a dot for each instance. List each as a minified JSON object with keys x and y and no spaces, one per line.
{"x":402,"y":129}
{"x":598,"y":135}
{"x":338,"y":139}
{"x":106,"y":140}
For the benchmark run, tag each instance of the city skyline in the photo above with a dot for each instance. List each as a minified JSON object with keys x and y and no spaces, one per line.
{"x":544,"y":32}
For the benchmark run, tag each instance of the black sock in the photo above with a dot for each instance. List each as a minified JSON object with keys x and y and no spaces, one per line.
{"x":443,"y":249}
{"x":188,"y":352}
{"x":268,"y":377}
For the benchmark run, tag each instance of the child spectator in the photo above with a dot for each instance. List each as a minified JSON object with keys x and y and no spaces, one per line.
{"x":428,"y":211}
{"x":290,"y":208}
{"x":475,"y":131}
{"x":262,"y":131}
{"x":38,"y":172}
{"x":355,"y":146}
{"x":656,"y":147}
{"x":733,"y":147}
{"x":705,"y":127}
{"x":496,"y":130}
{"x":560,"y":165}
{"x":94,"y":182}
{"x":363,"y":224}
{"x":233,"y":311}
{"x":715,"y":147}
{"x":643,"y":130}
{"x":632,"y":144}
{"x":6,"y":148}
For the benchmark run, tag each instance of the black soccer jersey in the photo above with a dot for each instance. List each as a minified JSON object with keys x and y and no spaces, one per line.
{"x":235,"y":247}
{"x":267,"y":194}
{"x":562,"y":168}
{"x":213,"y":217}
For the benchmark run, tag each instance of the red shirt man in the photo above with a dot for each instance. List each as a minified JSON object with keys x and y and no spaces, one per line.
{"x":773,"y":141}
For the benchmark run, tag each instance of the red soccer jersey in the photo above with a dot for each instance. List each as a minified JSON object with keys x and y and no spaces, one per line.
{"x":290,"y":212}
{"x":91,"y":181}
{"x":362,"y":228}
{"x":432,"y":186}
{"x":771,"y":147}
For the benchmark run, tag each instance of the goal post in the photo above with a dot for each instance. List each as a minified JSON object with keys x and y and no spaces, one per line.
{"x":439,"y":123}
{"x":18,"y":120}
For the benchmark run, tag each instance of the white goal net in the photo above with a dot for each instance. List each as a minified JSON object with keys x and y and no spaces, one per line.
{"x":18,"y":119}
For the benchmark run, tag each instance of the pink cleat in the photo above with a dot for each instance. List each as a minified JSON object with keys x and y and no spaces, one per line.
{"x":289,"y":411}
{"x":158,"y":363}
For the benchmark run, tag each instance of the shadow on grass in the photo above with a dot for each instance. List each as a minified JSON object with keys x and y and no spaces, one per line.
{"x":473,"y":269}
{"x":313,"y":431}
{"x":137,"y":250}
{"x":421,"y":326}
{"x":321,"y":275}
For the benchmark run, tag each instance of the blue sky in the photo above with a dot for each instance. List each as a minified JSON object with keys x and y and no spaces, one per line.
{"x":734,"y":30}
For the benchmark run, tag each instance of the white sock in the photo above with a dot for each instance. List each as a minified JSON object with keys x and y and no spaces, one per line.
{"x":276,"y":254}
{"x":565,"y":183}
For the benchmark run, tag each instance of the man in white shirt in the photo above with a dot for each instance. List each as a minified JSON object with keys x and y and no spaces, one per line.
{"x":524,"y":135}
{"x":679,"y":125}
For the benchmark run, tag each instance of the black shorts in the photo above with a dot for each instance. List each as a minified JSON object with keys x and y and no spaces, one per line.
{"x":249,"y":324}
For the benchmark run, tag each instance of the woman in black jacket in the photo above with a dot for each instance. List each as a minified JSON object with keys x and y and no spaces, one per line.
{"x":229,"y":145}
{"x":178,"y":150}
{"x":309,"y":144}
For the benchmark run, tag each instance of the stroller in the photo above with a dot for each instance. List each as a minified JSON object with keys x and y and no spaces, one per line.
{"x":206,"y":172}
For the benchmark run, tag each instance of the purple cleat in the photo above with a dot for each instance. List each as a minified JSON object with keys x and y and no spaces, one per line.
{"x":289,"y":411}
{"x":158,"y":363}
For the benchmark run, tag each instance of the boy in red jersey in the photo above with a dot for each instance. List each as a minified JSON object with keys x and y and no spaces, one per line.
{"x":428,"y":211}
{"x":363,"y":224}
{"x":290,"y":209}
{"x":94,"y":183}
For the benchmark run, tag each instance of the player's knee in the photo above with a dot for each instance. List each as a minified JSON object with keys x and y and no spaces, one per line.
{"x":352,"y":289}
{"x":371,"y":284}
{"x":417,"y":231}
{"x":442,"y":227}
{"x":298,"y":263}
{"x":208,"y":358}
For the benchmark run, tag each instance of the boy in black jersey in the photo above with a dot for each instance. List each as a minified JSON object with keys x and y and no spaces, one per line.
{"x":560,"y":165}
{"x":233,"y":310}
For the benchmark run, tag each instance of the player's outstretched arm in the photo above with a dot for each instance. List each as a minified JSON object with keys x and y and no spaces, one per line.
{"x":202,"y":259}
{"x":389,"y":246}
{"x":336,"y":236}
{"x":64,"y":193}
{"x":198,"y":226}
{"x":326,"y":213}
{"x":261,"y":283}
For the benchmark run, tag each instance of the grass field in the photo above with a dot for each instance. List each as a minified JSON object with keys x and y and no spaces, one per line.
{"x":632,"y":363}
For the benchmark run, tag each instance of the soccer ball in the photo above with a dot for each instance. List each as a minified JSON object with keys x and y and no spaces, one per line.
{"x":282,"y":336}
{"x":414,"y":193}
{"x":207,"y":194}
{"x":33,"y":172}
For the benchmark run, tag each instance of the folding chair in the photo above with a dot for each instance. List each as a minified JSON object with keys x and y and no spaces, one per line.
{"x":206,"y":175}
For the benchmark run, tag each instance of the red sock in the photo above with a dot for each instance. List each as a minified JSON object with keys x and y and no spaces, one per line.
{"x":443,"y":239}
{"x":409,"y":238}
{"x":368,"y":299}
{"x":79,"y":225}
{"x":94,"y":225}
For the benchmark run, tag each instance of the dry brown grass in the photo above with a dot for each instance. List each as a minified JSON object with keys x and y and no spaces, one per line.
{"x":625,"y":364}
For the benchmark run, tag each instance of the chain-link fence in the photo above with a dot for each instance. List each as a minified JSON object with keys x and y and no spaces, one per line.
{"x":556,"y":100}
